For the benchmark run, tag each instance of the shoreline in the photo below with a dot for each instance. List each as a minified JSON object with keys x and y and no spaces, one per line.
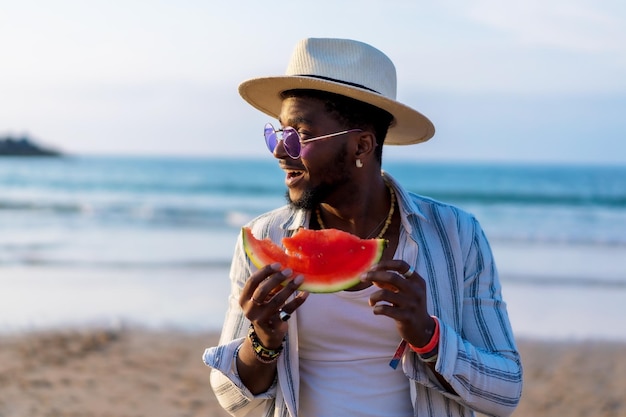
{"x":36,"y":298}
{"x":135,"y":371}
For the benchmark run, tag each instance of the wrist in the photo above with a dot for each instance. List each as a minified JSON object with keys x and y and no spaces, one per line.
{"x":431,"y":347}
{"x":270,"y":341}
{"x":262,"y":353}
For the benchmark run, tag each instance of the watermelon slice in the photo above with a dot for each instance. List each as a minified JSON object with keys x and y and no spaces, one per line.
{"x":330,"y":260}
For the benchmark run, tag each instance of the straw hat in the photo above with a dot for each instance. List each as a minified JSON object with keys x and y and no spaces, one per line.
{"x":342,"y":66}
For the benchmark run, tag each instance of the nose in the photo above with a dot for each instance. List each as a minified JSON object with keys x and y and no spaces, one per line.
{"x":279,"y":151}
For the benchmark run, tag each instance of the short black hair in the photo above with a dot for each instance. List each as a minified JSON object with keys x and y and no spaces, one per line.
{"x":350,"y":113}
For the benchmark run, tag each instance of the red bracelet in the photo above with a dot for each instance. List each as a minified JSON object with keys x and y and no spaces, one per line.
{"x":432,"y":344}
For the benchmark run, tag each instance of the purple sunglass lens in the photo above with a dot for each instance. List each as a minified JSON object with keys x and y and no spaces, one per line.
{"x":270,"y":137}
{"x":290,"y":138}
{"x":291,"y":142}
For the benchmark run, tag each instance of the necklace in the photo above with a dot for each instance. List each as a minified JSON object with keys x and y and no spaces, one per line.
{"x":386,"y":220}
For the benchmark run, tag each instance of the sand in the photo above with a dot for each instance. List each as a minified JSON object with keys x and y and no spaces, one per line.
{"x":137,"y":372}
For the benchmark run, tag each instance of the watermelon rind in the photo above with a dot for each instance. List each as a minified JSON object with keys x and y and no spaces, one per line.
{"x":330,"y":260}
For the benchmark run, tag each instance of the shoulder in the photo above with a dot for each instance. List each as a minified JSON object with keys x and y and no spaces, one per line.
{"x":431,"y":207}
{"x":442,"y":219}
{"x":417,"y":206}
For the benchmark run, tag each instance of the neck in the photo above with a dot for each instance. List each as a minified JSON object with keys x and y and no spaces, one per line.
{"x":366,"y":215}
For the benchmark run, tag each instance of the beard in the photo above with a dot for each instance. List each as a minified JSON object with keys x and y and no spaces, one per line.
{"x":311,"y":198}
{"x":336,"y":174}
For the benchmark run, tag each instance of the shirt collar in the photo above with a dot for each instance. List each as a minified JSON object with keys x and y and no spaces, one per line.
{"x":297,"y":218}
{"x":407,"y":205}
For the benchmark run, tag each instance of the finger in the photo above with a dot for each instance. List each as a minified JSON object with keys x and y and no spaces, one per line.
{"x":283,"y":315}
{"x":255,"y":279}
{"x":398,"y":308}
{"x":397,"y":265}
{"x":409,"y":272}
{"x":386,"y":279}
{"x":385,"y":296}
{"x":288,"y":309}
{"x":387,"y":310}
{"x":296,"y":302}
{"x":279,"y":298}
{"x":264,"y":291}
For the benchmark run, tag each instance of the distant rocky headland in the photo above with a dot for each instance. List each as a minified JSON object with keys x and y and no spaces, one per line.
{"x":23,"y":146}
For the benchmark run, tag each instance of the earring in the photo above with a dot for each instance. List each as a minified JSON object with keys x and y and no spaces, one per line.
{"x":359,"y":164}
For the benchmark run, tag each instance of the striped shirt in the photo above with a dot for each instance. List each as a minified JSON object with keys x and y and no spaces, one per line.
{"x":478,"y":356}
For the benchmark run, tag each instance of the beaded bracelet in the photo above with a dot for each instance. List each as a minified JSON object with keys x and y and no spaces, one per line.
{"x":432,"y":344}
{"x":263,"y":354}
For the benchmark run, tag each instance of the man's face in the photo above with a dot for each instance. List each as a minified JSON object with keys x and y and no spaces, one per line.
{"x":321,"y":170}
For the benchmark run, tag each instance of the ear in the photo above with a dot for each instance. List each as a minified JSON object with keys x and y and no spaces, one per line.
{"x":365,"y":145}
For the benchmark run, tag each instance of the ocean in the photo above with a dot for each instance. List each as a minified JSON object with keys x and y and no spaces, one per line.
{"x":148,"y":240}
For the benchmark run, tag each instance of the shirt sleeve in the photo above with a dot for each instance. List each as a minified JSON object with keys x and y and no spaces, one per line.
{"x":477,"y":354}
{"x":229,"y":390}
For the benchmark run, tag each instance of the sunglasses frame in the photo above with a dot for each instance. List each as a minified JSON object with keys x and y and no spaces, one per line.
{"x":272,"y":139}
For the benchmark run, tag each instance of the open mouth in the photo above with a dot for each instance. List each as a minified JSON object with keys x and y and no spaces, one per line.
{"x":294,"y":174}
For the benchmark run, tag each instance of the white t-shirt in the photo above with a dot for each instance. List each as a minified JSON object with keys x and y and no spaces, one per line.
{"x":344,"y":352}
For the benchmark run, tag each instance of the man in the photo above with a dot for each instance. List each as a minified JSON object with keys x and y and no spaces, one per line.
{"x":289,"y":353}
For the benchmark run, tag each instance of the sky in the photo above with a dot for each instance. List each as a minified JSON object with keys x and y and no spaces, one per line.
{"x":521,"y":80}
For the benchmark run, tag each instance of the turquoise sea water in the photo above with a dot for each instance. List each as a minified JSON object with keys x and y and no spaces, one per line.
{"x":554,"y":228}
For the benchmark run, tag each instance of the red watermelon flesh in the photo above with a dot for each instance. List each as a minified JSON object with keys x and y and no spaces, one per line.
{"x":330,"y":260}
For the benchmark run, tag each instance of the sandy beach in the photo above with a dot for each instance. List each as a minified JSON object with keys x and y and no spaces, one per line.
{"x":137,"y":372}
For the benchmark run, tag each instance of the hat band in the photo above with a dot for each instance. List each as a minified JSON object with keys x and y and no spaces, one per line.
{"x":341,"y":82}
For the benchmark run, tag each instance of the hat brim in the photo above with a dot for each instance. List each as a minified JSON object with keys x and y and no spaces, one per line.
{"x":408,"y":127}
